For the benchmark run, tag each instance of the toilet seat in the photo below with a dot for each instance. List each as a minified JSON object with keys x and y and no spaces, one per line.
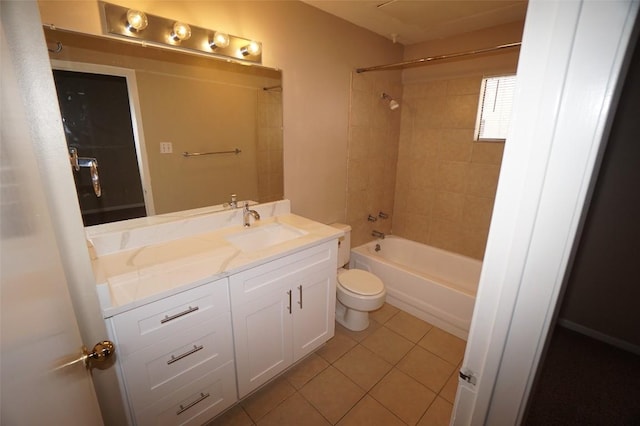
{"x":361,"y":282}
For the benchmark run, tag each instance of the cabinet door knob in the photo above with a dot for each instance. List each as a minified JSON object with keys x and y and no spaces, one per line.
{"x":289,"y":307}
{"x":300,"y":289}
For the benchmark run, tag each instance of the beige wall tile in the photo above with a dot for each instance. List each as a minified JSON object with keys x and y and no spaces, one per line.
{"x":465,"y":86}
{"x":455,"y":150}
{"x":452,"y":176}
{"x":460,"y":112}
{"x":473,"y":243}
{"x":487,"y":152}
{"x":374,"y":150}
{"x":482,"y":180}
{"x":358,"y":142}
{"x":425,"y":89}
{"x":423,"y":165}
{"x":448,"y":206}
{"x":430,"y":112}
{"x":423,"y":174}
{"x":446,"y":235}
{"x":476,"y":213}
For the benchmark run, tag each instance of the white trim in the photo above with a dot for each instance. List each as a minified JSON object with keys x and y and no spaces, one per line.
{"x":597,"y":335}
{"x":570,"y":60}
{"x":135,"y":112}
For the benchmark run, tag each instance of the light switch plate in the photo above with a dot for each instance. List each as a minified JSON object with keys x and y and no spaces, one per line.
{"x":166,"y":148}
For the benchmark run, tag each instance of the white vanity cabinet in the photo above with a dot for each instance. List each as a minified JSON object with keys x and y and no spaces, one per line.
{"x":176,"y":356}
{"x":282,"y":311}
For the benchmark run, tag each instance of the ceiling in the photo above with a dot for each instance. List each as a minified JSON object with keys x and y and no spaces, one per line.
{"x":414,"y":21}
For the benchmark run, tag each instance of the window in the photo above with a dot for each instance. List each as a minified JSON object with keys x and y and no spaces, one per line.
{"x":494,"y":109}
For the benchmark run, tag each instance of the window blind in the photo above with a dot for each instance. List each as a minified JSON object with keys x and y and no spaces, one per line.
{"x":494,"y":109}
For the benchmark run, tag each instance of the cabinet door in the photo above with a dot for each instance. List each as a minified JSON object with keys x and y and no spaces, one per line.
{"x":313,"y":311}
{"x":262,"y":339}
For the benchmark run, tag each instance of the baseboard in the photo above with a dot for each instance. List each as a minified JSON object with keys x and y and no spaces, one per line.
{"x":589,"y":332}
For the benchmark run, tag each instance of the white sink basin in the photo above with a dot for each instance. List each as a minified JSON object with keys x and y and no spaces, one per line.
{"x":254,"y":239}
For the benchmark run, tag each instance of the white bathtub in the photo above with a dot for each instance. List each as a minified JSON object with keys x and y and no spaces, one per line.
{"x":433,"y":284}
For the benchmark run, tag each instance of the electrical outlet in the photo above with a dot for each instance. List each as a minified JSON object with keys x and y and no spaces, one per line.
{"x":166,"y":148}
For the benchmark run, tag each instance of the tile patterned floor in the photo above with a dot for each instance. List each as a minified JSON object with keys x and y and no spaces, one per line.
{"x":400,"y":371}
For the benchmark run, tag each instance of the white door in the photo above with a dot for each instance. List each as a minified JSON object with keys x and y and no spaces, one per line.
{"x":571,"y":57}
{"x":39,"y":331}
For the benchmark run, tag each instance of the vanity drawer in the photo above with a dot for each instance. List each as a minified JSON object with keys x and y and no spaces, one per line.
{"x":170,"y":364}
{"x":148,"y":324}
{"x":196,"y":403}
{"x":258,"y":282}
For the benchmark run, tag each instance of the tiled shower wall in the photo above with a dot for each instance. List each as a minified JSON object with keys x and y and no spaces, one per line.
{"x":374,"y":131}
{"x":446,"y":182}
{"x":269,"y":154}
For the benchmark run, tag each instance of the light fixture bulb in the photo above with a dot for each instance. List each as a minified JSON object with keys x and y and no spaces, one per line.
{"x":136,"y":20}
{"x":219,"y":40}
{"x":181,"y":31}
{"x":253,"y":48}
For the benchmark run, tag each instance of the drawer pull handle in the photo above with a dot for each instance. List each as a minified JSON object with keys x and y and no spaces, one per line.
{"x":289,"y":307}
{"x":300,"y":302}
{"x":202,"y":397}
{"x":168,"y":318}
{"x":190,"y":352}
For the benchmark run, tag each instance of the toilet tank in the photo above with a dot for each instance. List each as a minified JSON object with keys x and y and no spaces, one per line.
{"x":344,"y":244}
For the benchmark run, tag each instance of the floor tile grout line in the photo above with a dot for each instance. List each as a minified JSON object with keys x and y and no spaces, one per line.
{"x":394,"y":366}
{"x":422,"y":347}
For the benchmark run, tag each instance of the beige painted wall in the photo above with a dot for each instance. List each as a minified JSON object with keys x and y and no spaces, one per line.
{"x":317,"y":53}
{"x":446,"y":182}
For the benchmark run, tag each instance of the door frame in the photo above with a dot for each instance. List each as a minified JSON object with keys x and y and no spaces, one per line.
{"x":135,"y":112}
{"x":572,"y":58}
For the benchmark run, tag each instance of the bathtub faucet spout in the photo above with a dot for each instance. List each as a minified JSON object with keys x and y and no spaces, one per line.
{"x":377,"y":234}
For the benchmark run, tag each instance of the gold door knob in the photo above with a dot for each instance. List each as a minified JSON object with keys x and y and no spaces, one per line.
{"x":101,"y":351}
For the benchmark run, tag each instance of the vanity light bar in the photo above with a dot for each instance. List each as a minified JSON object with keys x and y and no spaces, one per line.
{"x":162,"y":31}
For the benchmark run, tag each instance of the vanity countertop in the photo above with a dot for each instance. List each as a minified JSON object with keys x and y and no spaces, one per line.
{"x":130,"y":278}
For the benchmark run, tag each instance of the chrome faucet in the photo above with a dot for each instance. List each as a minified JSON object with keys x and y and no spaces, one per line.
{"x":246,"y":215}
{"x":377,"y":234}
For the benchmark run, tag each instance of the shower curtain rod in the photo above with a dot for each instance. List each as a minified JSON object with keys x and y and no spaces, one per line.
{"x":428,"y":60}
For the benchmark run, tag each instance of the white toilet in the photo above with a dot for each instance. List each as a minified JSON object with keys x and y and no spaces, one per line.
{"x":358,"y":292}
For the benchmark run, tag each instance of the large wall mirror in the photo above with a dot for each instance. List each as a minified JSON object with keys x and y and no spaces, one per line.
{"x":169,"y":131}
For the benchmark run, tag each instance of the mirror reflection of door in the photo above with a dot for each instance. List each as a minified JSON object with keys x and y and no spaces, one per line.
{"x":96,"y":116}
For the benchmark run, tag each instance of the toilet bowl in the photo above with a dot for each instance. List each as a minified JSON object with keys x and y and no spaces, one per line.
{"x":358,"y":292}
